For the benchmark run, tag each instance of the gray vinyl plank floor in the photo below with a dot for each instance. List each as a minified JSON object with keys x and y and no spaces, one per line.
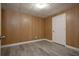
{"x":41,"y":48}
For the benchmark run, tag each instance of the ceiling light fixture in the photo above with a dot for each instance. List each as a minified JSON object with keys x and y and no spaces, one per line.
{"x":41,"y":5}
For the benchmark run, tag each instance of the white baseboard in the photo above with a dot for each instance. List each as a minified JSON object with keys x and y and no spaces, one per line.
{"x":77,"y":49}
{"x":20,"y":43}
{"x":48,"y":40}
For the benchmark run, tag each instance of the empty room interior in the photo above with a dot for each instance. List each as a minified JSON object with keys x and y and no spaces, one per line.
{"x":39,"y":29}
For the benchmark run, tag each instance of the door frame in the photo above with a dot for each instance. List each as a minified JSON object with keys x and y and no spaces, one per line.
{"x":53,"y":28}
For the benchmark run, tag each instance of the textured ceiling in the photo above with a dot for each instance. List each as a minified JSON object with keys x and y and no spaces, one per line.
{"x":29,"y":8}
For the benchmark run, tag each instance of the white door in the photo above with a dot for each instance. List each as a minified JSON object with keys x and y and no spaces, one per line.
{"x":59,"y":29}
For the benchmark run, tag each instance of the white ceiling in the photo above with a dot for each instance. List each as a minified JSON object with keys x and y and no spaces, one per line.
{"x":29,"y":8}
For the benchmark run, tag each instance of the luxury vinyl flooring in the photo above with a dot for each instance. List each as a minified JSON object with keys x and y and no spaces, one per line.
{"x":41,"y":48}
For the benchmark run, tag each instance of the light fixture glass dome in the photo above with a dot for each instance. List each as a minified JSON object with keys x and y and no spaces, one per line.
{"x":41,"y":5}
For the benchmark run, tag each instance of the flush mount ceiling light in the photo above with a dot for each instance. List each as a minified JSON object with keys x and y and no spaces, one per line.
{"x":41,"y":5}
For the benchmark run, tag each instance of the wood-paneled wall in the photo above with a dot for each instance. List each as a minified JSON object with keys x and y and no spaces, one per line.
{"x":20,"y":27}
{"x":48,"y":28}
{"x":73,"y":27}
{"x":0,"y":28}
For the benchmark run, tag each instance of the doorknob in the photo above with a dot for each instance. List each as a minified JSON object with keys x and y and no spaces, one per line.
{"x":2,"y":37}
